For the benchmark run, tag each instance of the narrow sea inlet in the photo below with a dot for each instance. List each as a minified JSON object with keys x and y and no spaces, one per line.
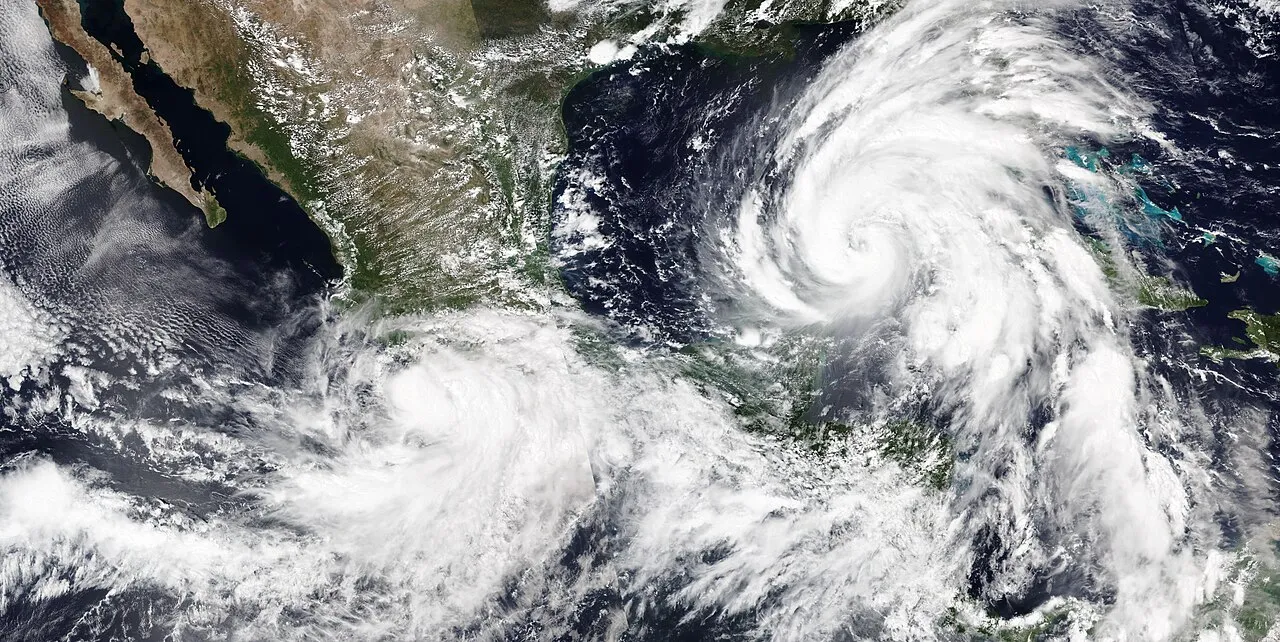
{"x":259,"y":216}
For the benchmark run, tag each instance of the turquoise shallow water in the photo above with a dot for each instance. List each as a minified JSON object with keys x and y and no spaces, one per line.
{"x":218,"y":447}
{"x":1205,"y":218}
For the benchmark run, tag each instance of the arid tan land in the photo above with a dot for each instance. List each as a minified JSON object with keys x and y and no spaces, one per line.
{"x":394,"y":124}
{"x":117,"y":100}
{"x":421,"y":135}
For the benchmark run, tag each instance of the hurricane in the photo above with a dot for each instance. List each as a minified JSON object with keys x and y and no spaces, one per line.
{"x":893,"y":333}
{"x":914,"y":204}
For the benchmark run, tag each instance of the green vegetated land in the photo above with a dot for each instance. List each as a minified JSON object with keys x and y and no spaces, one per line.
{"x":1262,"y":330}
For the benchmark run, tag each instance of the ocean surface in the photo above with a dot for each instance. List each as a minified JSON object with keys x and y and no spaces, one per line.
{"x":917,"y":330}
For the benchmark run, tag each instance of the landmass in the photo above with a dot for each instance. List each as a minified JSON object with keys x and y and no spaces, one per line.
{"x":421,"y":135}
{"x":1152,"y":291}
{"x":1263,"y":331}
{"x":1162,"y":293}
{"x":113,"y":96}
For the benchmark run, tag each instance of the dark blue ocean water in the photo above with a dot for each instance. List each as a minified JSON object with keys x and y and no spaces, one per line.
{"x":636,"y":126}
{"x":634,"y":129}
{"x":244,"y":283}
{"x":123,"y":259}
{"x":633,"y":125}
{"x":264,"y":222}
